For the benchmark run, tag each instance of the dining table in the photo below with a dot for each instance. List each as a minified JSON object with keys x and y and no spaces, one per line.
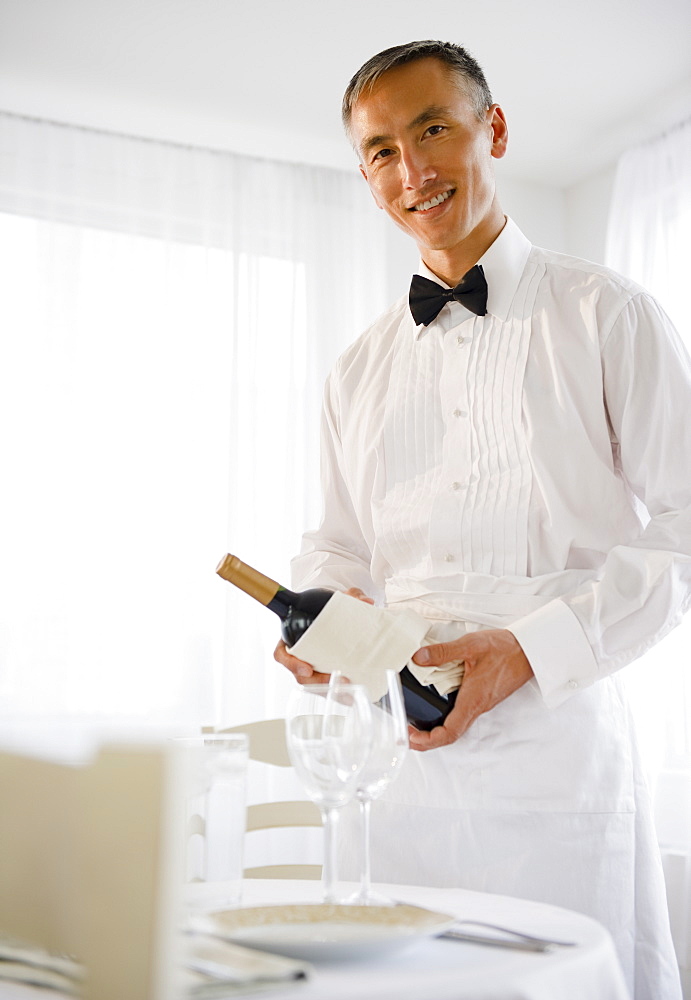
{"x":429,"y":966}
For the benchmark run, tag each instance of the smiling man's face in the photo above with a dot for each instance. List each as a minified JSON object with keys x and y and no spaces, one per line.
{"x":427,"y":158}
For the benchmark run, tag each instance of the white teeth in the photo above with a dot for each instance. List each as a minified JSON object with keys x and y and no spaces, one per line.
{"x":433,"y":202}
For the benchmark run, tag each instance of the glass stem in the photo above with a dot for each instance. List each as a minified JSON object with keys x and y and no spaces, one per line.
{"x":366,"y":879}
{"x":330,"y":819}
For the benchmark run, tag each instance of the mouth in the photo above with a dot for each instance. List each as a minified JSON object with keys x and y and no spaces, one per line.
{"x":438,"y":199}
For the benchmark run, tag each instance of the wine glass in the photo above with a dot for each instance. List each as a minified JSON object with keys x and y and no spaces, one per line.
{"x":389,"y":750}
{"x":329,"y":738}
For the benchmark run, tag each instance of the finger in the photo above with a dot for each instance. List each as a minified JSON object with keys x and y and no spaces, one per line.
{"x":418,"y":739}
{"x":315,"y":678}
{"x":285,"y":657}
{"x":305,"y":674}
{"x":440,"y":736}
{"x":295,"y":665}
{"x":336,"y":678}
{"x":437,"y":737}
{"x":360,"y":594}
{"x":440,"y":652}
{"x":302,"y":671}
{"x":456,"y":723}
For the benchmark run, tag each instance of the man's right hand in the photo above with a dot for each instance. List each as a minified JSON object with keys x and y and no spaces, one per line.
{"x":304,"y":672}
{"x":301,"y":671}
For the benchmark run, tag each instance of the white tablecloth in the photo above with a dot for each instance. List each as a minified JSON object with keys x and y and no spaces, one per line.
{"x":453,"y":970}
{"x":437,"y":969}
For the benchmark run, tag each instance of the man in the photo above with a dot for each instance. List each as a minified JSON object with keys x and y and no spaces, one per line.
{"x":487,"y":465}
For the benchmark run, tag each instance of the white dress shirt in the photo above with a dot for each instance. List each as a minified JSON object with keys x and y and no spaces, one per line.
{"x":530,"y":468}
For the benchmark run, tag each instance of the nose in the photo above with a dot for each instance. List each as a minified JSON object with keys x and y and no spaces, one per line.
{"x":416,"y":170}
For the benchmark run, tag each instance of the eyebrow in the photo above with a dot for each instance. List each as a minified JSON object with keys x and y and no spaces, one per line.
{"x":426,"y":115}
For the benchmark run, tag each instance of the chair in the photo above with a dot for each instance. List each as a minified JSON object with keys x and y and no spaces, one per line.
{"x":88,"y":865}
{"x":268,"y":746}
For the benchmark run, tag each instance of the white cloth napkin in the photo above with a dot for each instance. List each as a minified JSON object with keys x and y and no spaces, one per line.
{"x":363,"y":642}
{"x":219,"y":969}
{"x":213,"y":969}
{"x":23,"y":963}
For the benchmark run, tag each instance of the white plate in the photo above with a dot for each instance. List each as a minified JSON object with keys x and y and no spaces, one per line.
{"x":323,"y":932}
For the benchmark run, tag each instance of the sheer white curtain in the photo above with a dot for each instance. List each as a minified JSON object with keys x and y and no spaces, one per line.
{"x":649,"y":239}
{"x":168,"y":316}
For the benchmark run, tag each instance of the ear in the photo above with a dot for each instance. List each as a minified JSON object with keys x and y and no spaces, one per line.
{"x":364,"y":174}
{"x":500,"y":131}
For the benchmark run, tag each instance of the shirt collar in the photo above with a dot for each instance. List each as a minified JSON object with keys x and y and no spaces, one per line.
{"x":503,"y":263}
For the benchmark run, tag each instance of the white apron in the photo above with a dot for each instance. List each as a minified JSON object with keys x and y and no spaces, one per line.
{"x":544,"y":804}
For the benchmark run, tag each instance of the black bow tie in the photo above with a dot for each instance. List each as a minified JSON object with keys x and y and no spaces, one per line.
{"x":427,"y":298}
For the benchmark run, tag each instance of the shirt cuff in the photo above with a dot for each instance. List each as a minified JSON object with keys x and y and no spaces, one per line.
{"x":555,"y":644}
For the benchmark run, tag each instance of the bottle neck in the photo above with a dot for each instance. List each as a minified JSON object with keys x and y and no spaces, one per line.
{"x":282,"y":602}
{"x":261,"y":588}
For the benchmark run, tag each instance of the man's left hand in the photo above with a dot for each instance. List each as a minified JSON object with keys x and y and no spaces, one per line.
{"x":495,"y":667}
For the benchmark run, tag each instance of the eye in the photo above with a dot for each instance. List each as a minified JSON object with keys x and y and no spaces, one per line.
{"x":435,"y":129}
{"x":382,"y":154}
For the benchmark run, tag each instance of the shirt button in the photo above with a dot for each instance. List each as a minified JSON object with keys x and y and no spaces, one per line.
{"x":460,"y":341}
{"x":573,"y":684}
{"x":455,"y":486}
{"x":459,"y":413}
{"x":449,"y":557}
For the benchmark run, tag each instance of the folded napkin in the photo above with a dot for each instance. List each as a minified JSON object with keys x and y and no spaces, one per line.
{"x":213,"y":969}
{"x":23,"y":963}
{"x":363,"y":642}
{"x":217,"y":969}
{"x":447,"y":676}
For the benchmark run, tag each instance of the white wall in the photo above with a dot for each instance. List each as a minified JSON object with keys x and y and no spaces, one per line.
{"x":538,"y":209}
{"x":586,"y":210}
{"x":571,"y":220}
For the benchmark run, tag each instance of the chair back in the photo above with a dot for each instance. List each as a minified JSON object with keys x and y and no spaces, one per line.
{"x":268,"y":745}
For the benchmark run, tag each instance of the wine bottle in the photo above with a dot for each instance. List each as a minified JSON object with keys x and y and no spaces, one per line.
{"x":425,"y":706}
